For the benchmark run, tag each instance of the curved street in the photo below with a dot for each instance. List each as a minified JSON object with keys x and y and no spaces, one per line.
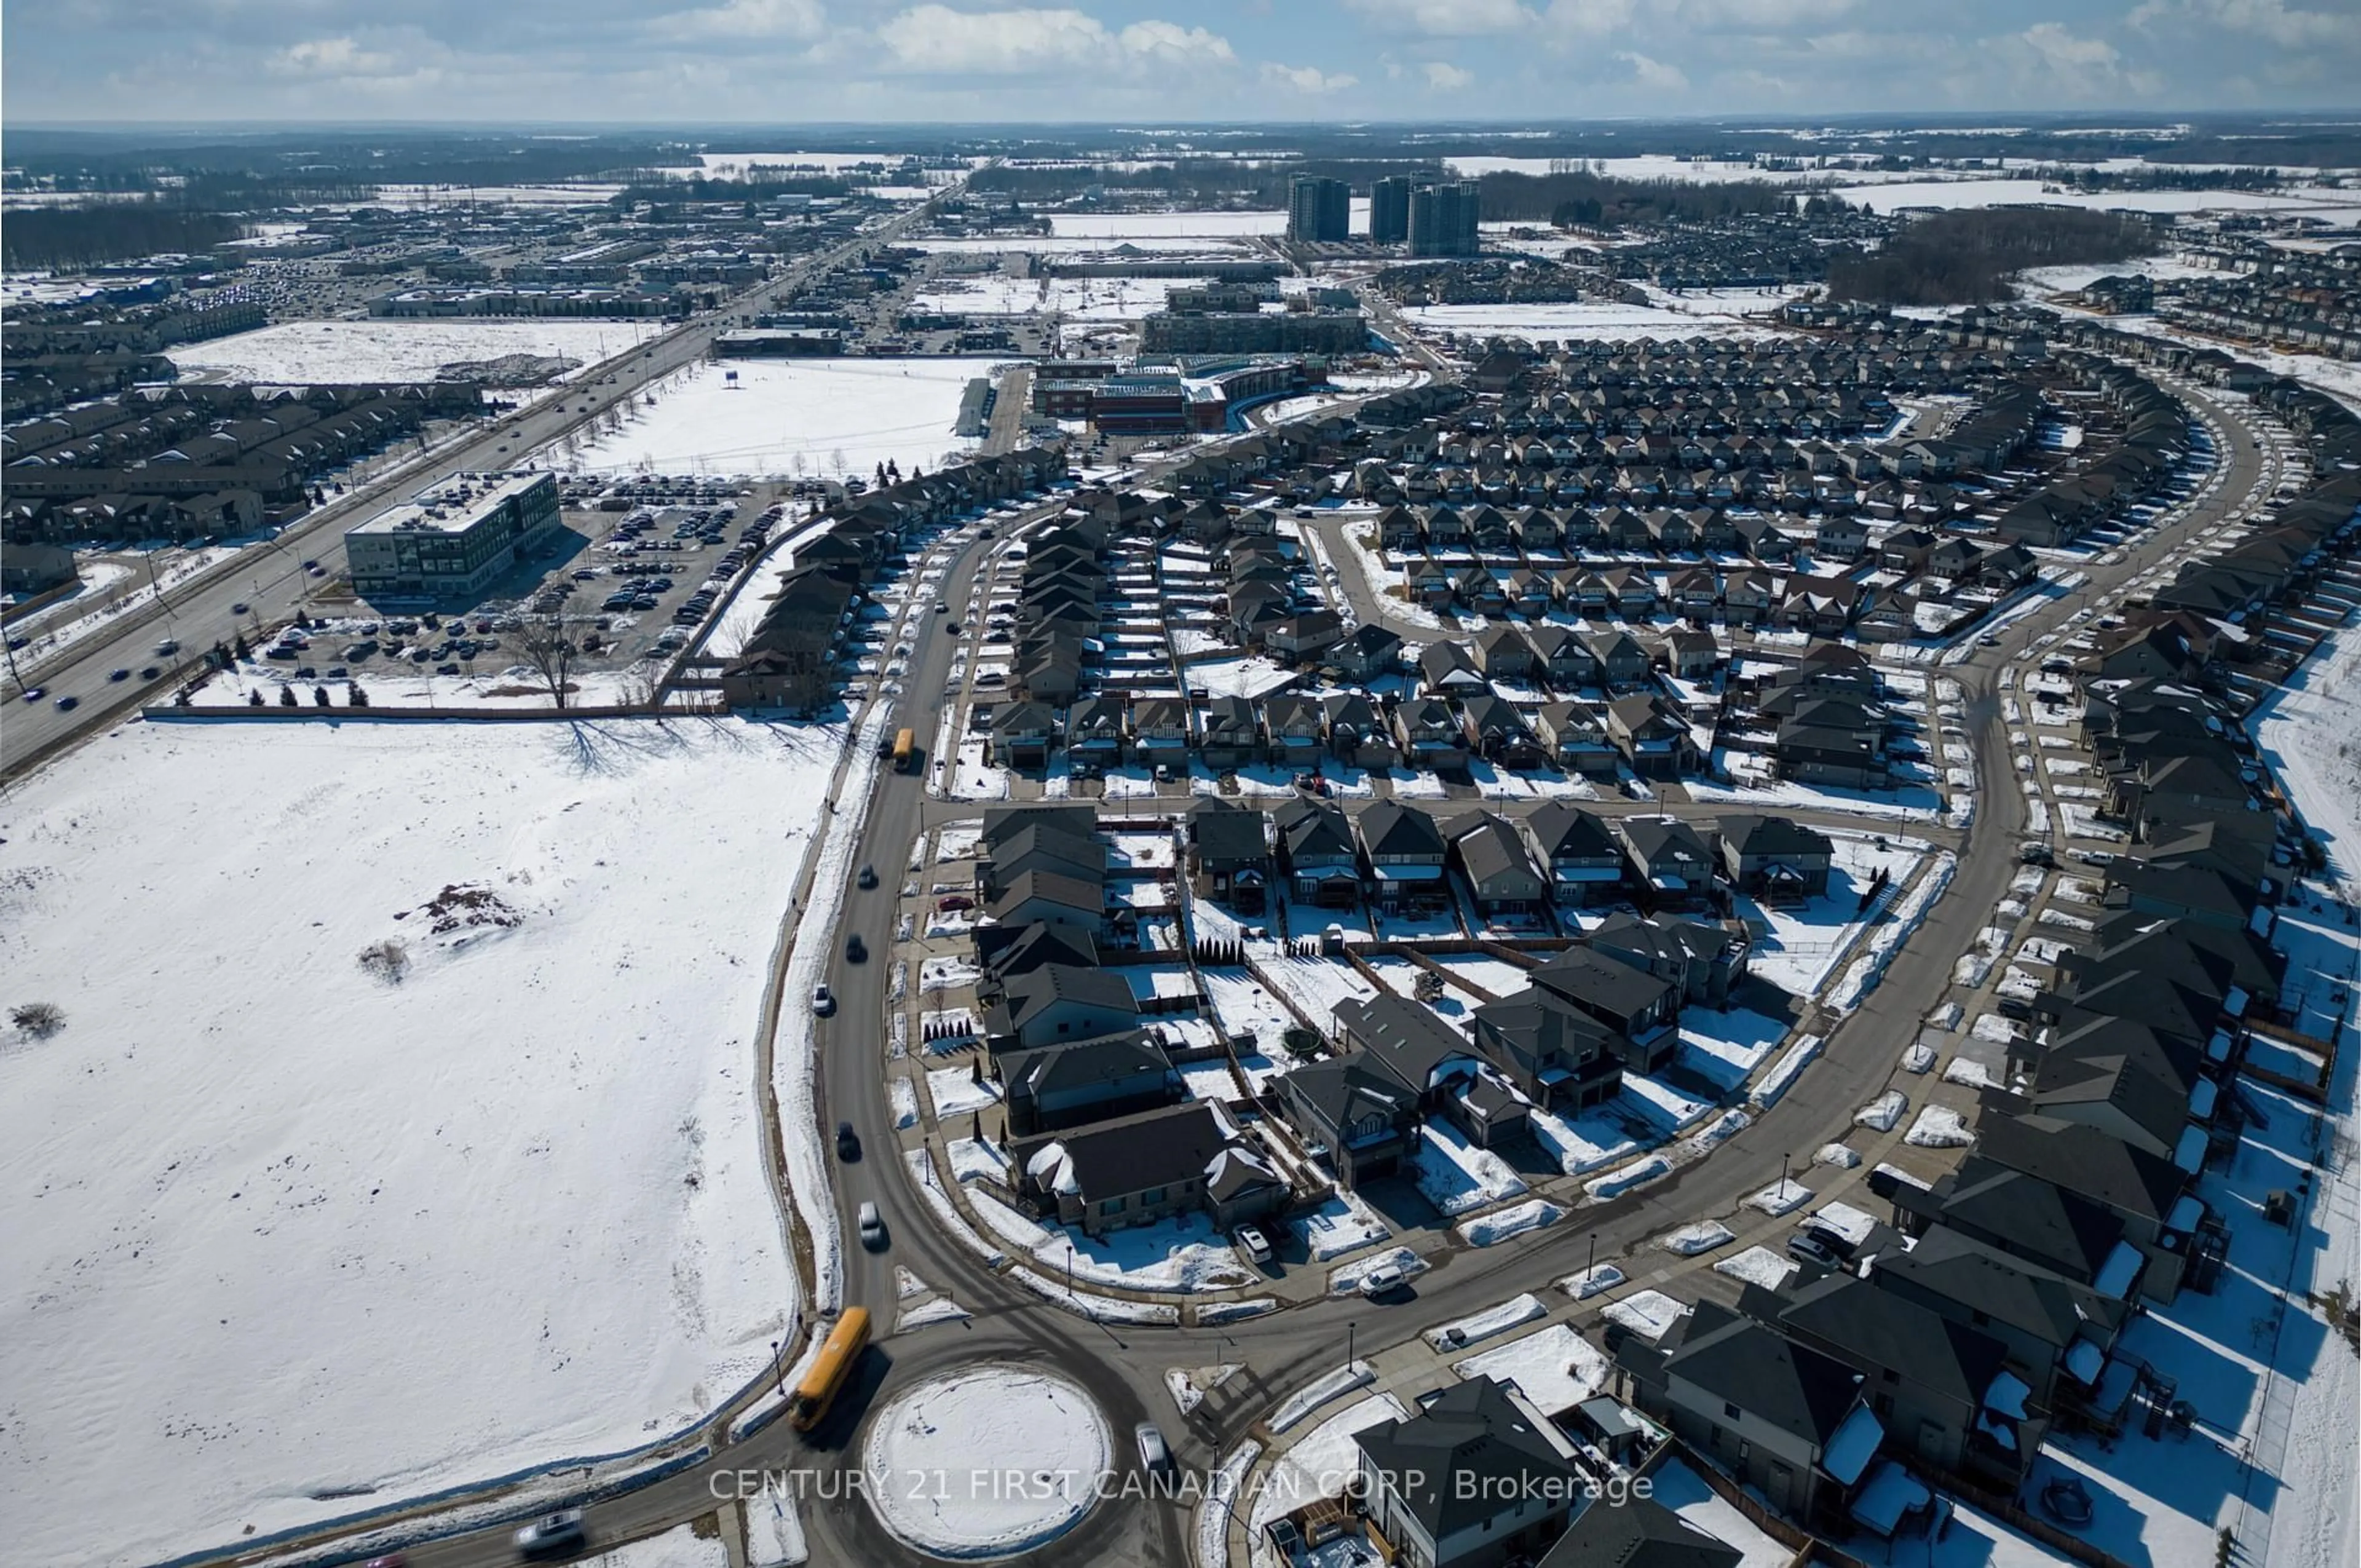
{"x":1122,"y":1366}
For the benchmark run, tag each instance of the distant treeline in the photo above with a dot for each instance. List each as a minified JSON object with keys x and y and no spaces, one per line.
{"x":2154,"y":177}
{"x":1595,"y":200}
{"x":756,"y":186}
{"x":50,"y":237}
{"x":1967,"y":257}
{"x":1202,"y":182}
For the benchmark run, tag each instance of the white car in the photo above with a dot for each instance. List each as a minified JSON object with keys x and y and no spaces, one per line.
{"x":823,"y":1001}
{"x":1382,"y":1281}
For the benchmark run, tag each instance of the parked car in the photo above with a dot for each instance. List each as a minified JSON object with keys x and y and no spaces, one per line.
{"x":848,"y":1142}
{"x":1382,"y":1281}
{"x":872,"y":1227}
{"x":1254,"y":1243}
{"x":551,"y":1536}
{"x":1806,"y":1247}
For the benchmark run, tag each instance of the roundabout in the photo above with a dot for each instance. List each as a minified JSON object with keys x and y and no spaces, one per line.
{"x":985,"y":1462}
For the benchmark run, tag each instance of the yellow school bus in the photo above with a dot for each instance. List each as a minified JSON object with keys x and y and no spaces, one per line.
{"x":837,"y":1356}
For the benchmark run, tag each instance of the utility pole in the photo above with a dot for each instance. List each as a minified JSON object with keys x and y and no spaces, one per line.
{"x":1348,"y":1345}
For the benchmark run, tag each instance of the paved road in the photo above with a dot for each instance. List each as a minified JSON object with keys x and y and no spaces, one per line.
{"x":1122,"y":1367}
{"x":271,"y":581}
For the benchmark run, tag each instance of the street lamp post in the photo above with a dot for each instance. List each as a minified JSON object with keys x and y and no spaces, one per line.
{"x":778,"y":1366}
{"x":1590,"y":1267}
{"x":1349,"y":1347}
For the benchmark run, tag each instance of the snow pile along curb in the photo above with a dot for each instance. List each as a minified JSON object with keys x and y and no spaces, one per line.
{"x":1886,"y":939}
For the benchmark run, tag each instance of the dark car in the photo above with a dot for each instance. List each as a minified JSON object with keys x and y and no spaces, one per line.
{"x":238,"y":609}
{"x":68,"y":703}
{"x":867,"y":877}
{"x":848,"y":1142}
{"x":855,"y":949}
{"x":118,"y":674}
{"x":149,"y":672}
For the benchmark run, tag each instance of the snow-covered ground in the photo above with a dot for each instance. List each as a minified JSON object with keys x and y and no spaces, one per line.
{"x":822,"y":417}
{"x":248,"y":1178}
{"x":1583,"y":320}
{"x":1682,"y":1490}
{"x":1163,"y":225}
{"x":1076,"y":299}
{"x":940,"y":1453}
{"x":1557,"y":1368}
{"x":337,"y":353}
{"x":1797,"y":945}
{"x":1455,"y":1176}
{"x":1338,"y":1226}
{"x":677,"y":1548}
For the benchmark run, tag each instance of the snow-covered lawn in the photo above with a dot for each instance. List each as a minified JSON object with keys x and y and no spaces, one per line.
{"x":1501,"y":1225}
{"x":1316,"y":985}
{"x":1338,"y":1226}
{"x":1757,"y":1266}
{"x":1322,"y":1464}
{"x":1939,"y":1127}
{"x":1681,"y":1489}
{"x":824,"y":417}
{"x":957,"y":1092}
{"x":339,"y":353}
{"x":680,"y":1547}
{"x":1797,"y":946}
{"x":1456,"y":1176}
{"x":1184,"y":1252}
{"x":245,"y":1154}
{"x":1726,"y":1047}
{"x":1647,"y":1314}
{"x":937,"y":1457}
{"x":1557,"y":1368}
{"x":1245,"y":1008}
{"x":1484,"y":1325}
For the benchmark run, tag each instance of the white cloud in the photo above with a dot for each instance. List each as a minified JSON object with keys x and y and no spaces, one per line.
{"x":798,"y":19}
{"x":1590,"y":18}
{"x":938,"y":40}
{"x":1307,"y":79}
{"x":1442,"y":76}
{"x":1447,"y":18}
{"x":1653,"y":74}
{"x":2049,"y":54}
{"x":2273,"y":20}
{"x":329,"y":57}
{"x":1170,"y":43}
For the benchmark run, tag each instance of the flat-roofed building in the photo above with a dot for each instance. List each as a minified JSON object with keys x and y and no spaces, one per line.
{"x":454,"y":541}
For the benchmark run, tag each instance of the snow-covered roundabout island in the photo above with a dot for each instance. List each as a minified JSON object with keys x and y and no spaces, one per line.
{"x":937,"y":1470}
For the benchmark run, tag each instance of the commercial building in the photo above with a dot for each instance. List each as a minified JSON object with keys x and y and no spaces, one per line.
{"x":1442,"y":219}
{"x":1319,"y":210}
{"x":1389,"y":211}
{"x":454,"y":541}
{"x":1255,"y":331}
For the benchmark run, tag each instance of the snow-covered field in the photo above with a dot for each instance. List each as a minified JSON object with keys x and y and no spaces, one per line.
{"x":1077,"y":299}
{"x":820,"y":417}
{"x":1583,"y":320}
{"x":1797,"y":946}
{"x":1163,"y":225}
{"x":247,"y":1180}
{"x":337,"y":353}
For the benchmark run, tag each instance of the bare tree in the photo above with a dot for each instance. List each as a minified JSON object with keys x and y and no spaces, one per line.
{"x":385,"y":961}
{"x":38,"y":1019}
{"x":550,"y":650}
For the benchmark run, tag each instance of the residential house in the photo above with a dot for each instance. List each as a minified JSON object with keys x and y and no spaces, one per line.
{"x":1585,"y":861}
{"x":1655,"y":739}
{"x":1673,"y":867}
{"x":1229,"y":854}
{"x":1405,"y":854}
{"x":1476,"y":1479}
{"x":1500,"y":871}
{"x":1059,"y":1003}
{"x":1774,"y":858}
{"x":1641,"y":1011}
{"x":1319,"y":853}
{"x":1081,"y":1081}
{"x":1573,"y":738}
{"x":1354,"y":1112}
{"x":1137,"y":1169}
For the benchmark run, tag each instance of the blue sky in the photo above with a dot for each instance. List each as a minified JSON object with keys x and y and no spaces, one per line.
{"x":1144,"y":60}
